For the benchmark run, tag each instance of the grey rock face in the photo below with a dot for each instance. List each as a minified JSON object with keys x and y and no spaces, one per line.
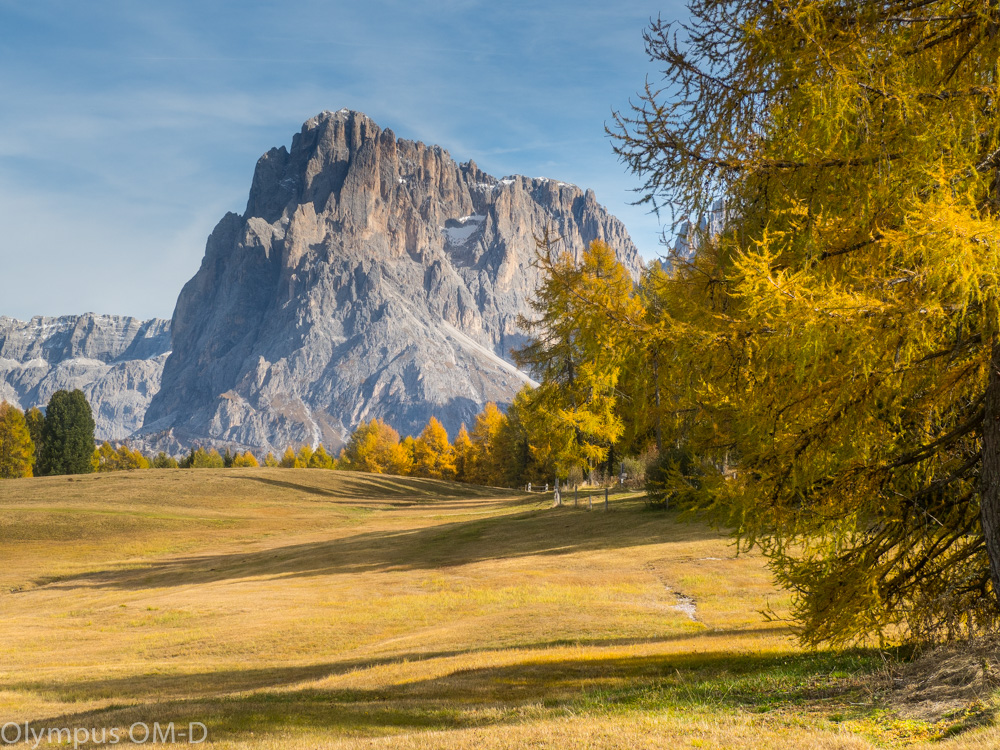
{"x":116,"y":361}
{"x":368,"y":277}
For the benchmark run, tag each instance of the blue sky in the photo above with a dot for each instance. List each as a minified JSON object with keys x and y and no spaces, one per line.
{"x":128,"y":128}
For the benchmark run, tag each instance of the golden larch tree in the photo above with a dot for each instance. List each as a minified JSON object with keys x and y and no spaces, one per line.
{"x":485,"y":464}
{"x":17,"y":451}
{"x":463,"y":449}
{"x":433,"y":455}
{"x":831,"y":320}
{"x":374,"y":447}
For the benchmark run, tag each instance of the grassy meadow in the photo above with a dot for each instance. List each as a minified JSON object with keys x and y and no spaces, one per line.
{"x":306,"y":608}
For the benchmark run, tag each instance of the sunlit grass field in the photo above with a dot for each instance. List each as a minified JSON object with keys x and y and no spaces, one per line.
{"x":307,"y":608}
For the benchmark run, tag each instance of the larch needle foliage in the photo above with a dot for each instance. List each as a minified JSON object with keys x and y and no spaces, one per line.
{"x":433,"y":455}
{"x":577,"y":350}
{"x":374,"y":447}
{"x":17,"y":451}
{"x":835,"y":330}
{"x":108,"y":458}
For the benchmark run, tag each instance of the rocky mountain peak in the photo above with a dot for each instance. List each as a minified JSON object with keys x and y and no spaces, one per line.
{"x":116,"y":360}
{"x":369,"y":276}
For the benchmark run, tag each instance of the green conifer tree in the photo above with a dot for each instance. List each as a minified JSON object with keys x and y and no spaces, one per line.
{"x":36,"y":423}
{"x":67,"y":435}
{"x":163,"y":461}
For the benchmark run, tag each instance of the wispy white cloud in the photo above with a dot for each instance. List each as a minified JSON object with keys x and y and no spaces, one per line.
{"x":128,"y":129}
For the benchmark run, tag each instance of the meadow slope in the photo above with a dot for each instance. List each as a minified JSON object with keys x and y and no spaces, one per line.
{"x":306,"y":608}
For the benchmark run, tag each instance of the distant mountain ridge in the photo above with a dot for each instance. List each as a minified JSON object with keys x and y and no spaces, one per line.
{"x":117,"y":361}
{"x":369,"y":276}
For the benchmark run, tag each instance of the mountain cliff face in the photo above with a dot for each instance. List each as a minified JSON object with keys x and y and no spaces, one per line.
{"x":116,"y":361}
{"x":368,"y":277}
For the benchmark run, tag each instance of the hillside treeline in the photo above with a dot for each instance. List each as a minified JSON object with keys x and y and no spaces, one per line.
{"x":499,"y":451}
{"x":59,"y":442}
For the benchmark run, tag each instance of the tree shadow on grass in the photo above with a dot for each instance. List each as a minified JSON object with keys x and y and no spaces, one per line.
{"x":528,"y":533}
{"x":156,"y":686}
{"x":266,"y":701}
{"x":381,"y":488}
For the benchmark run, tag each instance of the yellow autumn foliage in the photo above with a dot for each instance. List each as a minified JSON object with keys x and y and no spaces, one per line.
{"x":17,"y":451}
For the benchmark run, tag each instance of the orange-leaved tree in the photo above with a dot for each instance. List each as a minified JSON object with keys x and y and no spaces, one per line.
{"x":433,"y":455}
{"x":374,"y":447}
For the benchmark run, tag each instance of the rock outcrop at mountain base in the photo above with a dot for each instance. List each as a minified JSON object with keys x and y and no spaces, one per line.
{"x":116,"y":361}
{"x":368,"y":277}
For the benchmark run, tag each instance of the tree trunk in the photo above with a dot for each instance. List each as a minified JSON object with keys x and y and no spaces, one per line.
{"x":989,"y":480}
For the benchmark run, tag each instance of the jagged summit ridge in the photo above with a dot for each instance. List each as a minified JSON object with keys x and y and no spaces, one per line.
{"x":116,"y":360}
{"x":368,"y":276}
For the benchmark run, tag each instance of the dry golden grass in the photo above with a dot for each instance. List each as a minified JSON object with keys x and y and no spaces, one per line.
{"x":299,"y":608}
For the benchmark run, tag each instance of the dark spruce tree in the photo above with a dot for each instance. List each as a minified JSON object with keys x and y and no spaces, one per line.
{"x":35,"y":421}
{"x":67,"y":435}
